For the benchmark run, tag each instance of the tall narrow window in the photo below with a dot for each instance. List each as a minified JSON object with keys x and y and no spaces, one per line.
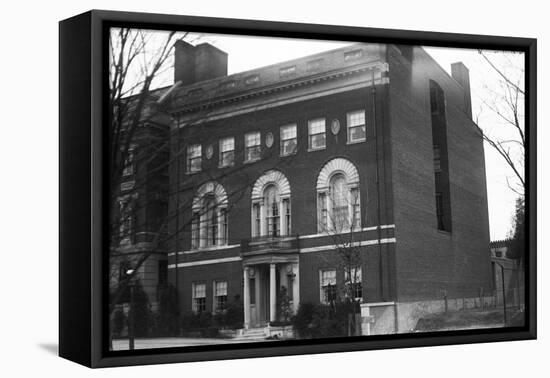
{"x":288,"y":140}
{"x":339,"y":202}
{"x":439,"y":211}
{"x":126,"y":221}
{"x":437,"y":158}
{"x":227,"y":152}
{"x":440,"y":158}
{"x":224,"y":236}
{"x":328,"y":286}
{"x":286,"y":207}
{"x":357,"y":129}
{"x":355,"y":208}
{"x":252,"y":144}
{"x":354,"y":282}
{"x":257,"y":216}
{"x":195,"y":234}
{"x":129,"y":163}
{"x":323,"y":212}
{"x":194,"y":159}
{"x":199,"y":297}
{"x":317,"y":135}
{"x":211,"y":220}
{"x":272,"y":207}
{"x":220,"y":295}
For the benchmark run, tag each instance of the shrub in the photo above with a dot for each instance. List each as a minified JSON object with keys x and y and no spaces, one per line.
{"x":323,"y":320}
{"x":166,"y":319}
{"x":119,"y":321}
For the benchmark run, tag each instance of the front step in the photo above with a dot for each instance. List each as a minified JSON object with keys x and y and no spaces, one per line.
{"x":252,"y":333}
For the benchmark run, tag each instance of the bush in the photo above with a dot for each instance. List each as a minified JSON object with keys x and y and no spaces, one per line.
{"x":119,"y":322}
{"x":143,"y":316}
{"x":323,"y":320}
{"x":166,"y":319}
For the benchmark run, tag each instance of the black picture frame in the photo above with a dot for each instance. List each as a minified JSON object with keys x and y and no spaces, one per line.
{"x":83,"y":68}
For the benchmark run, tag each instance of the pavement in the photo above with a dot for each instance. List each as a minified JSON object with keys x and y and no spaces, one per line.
{"x":169,"y":342}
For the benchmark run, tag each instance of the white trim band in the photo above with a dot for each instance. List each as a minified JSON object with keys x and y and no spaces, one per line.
{"x":356,"y":244}
{"x":372,"y":228}
{"x":205,"y":262}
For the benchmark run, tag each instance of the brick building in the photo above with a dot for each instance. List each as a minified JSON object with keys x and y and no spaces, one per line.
{"x":275,"y":170}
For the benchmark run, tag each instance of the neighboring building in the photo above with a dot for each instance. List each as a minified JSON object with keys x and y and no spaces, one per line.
{"x":275,"y":166}
{"x":141,"y":204}
{"x":506,"y":273}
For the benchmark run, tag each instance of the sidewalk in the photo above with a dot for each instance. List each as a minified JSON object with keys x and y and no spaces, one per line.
{"x":168,"y":342}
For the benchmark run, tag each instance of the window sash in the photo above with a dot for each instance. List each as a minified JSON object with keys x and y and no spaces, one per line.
{"x":317,"y":141}
{"x":288,"y":140}
{"x":357,"y":130}
{"x":253,"y":153}
{"x":194,"y":160}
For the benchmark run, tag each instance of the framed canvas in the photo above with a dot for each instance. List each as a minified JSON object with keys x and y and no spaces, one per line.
{"x":234,"y":188}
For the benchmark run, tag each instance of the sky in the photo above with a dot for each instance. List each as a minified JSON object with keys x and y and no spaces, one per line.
{"x":246,"y":53}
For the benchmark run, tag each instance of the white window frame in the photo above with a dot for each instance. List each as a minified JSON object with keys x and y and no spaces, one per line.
{"x":350,"y":118}
{"x":312,"y":123}
{"x":194,"y":156}
{"x":257,"y":146}
{"x":215,"y":295}
{"x":224,"y":150}
{"x":322,"y":296}
{"x":194,"y":304}
{"x":284,"y":139}
{"x":356,"y":278}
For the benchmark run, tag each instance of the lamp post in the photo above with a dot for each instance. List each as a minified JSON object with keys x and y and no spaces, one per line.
{"x":131,"y":327}
{"x":503,"y":290}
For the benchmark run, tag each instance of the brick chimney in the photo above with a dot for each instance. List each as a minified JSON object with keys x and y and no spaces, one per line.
{"x":461,"y":74}
{"x":198,"y":63}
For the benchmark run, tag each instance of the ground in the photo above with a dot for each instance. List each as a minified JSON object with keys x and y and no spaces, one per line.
{"x":167,"y":342}
{"x":468,"y":319}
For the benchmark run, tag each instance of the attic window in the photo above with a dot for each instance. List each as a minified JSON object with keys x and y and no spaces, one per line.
{"x":252,"y":79}
{"x":195,"y":92}
{"x":352,"y":55}
{"x":314,"y":65}
{"x":287,"y":71}
{"x":228,"y":84}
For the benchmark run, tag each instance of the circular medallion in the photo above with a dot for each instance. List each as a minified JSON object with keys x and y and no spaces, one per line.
{"x":269,"y":140}
{"x":335,"y":126}
{"x":289,"y":269}
{"x":209,"y":151}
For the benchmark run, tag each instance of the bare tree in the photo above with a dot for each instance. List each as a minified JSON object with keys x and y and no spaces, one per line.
{"x":505,"y":101}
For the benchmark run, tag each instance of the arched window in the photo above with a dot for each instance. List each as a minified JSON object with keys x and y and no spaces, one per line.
{"x":338,"y":197}
{"x":209,"y":225}
{"x":271,"y":205}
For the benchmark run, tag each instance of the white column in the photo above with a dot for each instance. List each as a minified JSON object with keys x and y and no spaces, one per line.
{"x":272,"y":293}
{"x":296,"y":287}
{"x":246,"y":298}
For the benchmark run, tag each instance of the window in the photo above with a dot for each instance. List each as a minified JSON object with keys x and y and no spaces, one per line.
{"x":288,"y":140}
{"x":439,"y":211}
{"x":317,"y":137}
{"x":129,"y":163}
{"x":437,"y":158}
{"x":323,"y":212}
{"x":224,"y":237}
{"x":357,"y":130}
{"x":272,"y":207}
{"x":354,"y":282}
{"x":257,"y":217}
{"x":271,"y":210}
{"x":195,"y":234}
{"x":339,"y":202}
{"x":328,"y":286}
{"x":194,"y":160}
{"x":199,"y":297}
{"x":352,"y":55}
{"x":162,"y":272}
{"x":314,"y":65}
{"x":252,"y":144}
{"x":287,"y":71}
{"x":338,"y":197}
{"x":126,"y":221}
{"x":220,"y":295}
{"x":210,"y":212}
{"x":286,"y":210}
{"x":227,"y":152}
{"x":252,"y":79}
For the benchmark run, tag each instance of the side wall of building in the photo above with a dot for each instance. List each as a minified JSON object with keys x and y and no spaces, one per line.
{"x":430,"y":261}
